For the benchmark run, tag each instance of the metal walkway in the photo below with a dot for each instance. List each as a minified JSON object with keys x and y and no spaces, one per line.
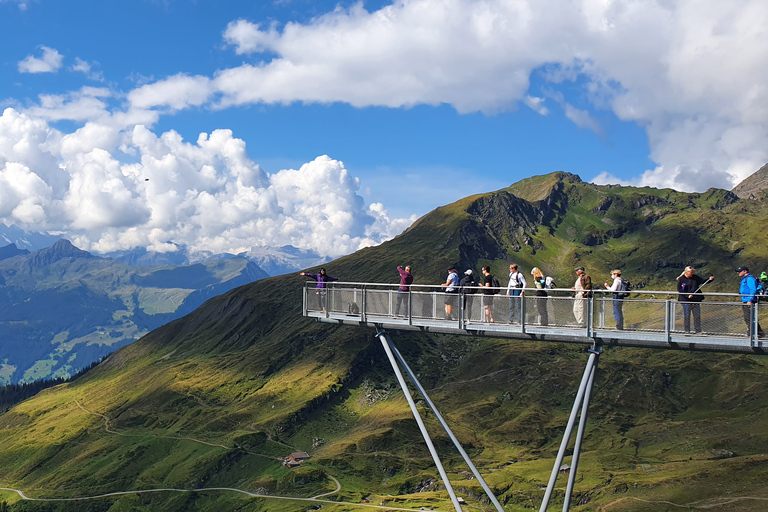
{"x":652,"y":319}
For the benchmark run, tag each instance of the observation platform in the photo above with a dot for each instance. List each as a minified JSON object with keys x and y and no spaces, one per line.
{"x":652,"y":319}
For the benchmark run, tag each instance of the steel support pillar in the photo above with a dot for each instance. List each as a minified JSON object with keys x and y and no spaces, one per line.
{"x":586,"y":382}
{"x":386,"y":342}
{"x":445,"y":426}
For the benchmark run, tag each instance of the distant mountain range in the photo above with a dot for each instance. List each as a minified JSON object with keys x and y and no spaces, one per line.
{"x":61,"y":308}
{"x":213,"y":398}
{"x":272,"y":260}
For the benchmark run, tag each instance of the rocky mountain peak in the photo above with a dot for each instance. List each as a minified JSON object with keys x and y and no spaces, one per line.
{"x":754,"y":186}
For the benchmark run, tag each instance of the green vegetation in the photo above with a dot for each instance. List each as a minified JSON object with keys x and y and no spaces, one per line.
{"x":216,"y":399}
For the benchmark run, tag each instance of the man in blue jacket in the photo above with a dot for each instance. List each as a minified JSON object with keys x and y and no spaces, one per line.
{"x":748,"y":289}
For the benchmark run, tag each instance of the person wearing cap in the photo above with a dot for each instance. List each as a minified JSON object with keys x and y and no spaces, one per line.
{"x":403,"y":292}
{"x":467,"y":284}
{"x":618,"y":305}
{"x":451,"y":286}
{"x":515,"y":290}
{"x":321,"y":279}
{"x":689,"y":287}
{"x":583,"y":288}
{"x":748,"y":290}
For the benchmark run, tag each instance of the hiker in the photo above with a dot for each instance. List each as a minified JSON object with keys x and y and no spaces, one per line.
{"x":515,"y":290}
{"x":748,"y":290}
{"x":583,"y":287}
{"x":540,"y":282}
{"x":689,"y":287}
{"x":404,"y":291}
{"x":489,"y":292}
{"x":618,"y":304}
{"x":467,"y":284}
{"x":321,"y":279}
{"x":451,"y":286}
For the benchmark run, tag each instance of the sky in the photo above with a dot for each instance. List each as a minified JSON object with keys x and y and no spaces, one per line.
{"x":333,"y":125}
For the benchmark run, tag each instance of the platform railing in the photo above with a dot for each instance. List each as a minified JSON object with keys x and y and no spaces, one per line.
{"x":644,"y":311}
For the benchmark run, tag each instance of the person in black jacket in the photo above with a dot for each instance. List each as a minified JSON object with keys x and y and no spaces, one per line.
{"x":689,"y":287}
{"x":466,"y":285}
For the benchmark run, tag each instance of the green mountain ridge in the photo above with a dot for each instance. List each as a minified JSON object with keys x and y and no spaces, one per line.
{"x":215,"y":398}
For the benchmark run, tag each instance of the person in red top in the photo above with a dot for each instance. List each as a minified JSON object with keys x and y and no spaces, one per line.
{"x":406,"y":278}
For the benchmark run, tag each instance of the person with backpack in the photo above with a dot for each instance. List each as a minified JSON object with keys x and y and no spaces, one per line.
{"x":748,"y":289}
{"x":540,"y":282}
{"x":619,"y":289}
{"x":404,"y":290}
{"x":467,"y":286}
{"x":451,"y":286}
{"x":489,"y":292}
{"x":583,"y":291}
{"x":689,"y":286}
{"x":515,"y":291}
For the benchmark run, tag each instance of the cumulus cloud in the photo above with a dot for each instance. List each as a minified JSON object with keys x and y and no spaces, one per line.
{"x":49,"y":62}
{"x":208,"y":195}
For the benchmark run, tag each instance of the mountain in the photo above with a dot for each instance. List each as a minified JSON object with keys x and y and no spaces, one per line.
{"x":213,"y":399}
{"x":62,"y":308}
{"x":274,"y":261}
{"x":754,"y":186}
{"x":284,"y":260}
{"x":24,"y":239}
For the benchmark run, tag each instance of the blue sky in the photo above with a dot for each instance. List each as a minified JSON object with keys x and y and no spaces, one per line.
{"x":416,"y":103}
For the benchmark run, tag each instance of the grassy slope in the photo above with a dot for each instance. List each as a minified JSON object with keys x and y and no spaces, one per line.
{"x":247,"y":372}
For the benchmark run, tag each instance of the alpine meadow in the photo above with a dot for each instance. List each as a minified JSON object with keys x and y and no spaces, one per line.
{"x":208,"y":405}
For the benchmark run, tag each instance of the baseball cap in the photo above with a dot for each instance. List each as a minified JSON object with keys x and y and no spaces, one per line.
{"x":741,"y":269}
{"x":579,"y":268}
{"x":468,"y":272}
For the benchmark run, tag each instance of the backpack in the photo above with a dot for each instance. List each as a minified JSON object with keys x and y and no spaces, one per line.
{"x":760,"y":291}
{"x":549,"y":283}
{"x":496,"y":284}
{"x":353,"y":308}
{"x":624,"y":287}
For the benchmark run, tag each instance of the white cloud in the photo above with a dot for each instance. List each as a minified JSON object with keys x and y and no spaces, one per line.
{"x":208,"y":195}
{"x":49,"y":62}
{"x":86,"y":68}
{"x":177,"y":92}
{"x":691,"y":72}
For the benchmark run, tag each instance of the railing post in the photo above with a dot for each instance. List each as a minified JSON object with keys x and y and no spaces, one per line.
{"x":304,"y":306}
{"x":754,"y":321}
{"x":410,"y":307}
{"x":601,"y":315}
{"x":522,"y":310}
{"x":590,"y":315}
{"x":364,"y":306}
{"x":668,"y":319}
{"x":461,"y":309}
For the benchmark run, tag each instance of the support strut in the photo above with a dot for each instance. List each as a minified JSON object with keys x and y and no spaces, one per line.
{"x":445,"y":426}
{"x":582,"y":397}
{"x":386,"y":344}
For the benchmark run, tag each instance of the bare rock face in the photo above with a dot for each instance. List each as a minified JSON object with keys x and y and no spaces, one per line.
{"x":755,"y":186}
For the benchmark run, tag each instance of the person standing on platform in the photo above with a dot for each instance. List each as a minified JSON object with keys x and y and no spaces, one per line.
{"x":488,"y":293}
{"x":583,"y":288}
{"x":404,"y":291}
{"x":321,"y":279}
{"x":451,"y":286}
{"x":515,"y":291}
{"x":618,"y":304}
{"x":689,"y":287}
{"x":467,"y":285}
{"x":748,"y":290}
{"x":540,"y":282}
